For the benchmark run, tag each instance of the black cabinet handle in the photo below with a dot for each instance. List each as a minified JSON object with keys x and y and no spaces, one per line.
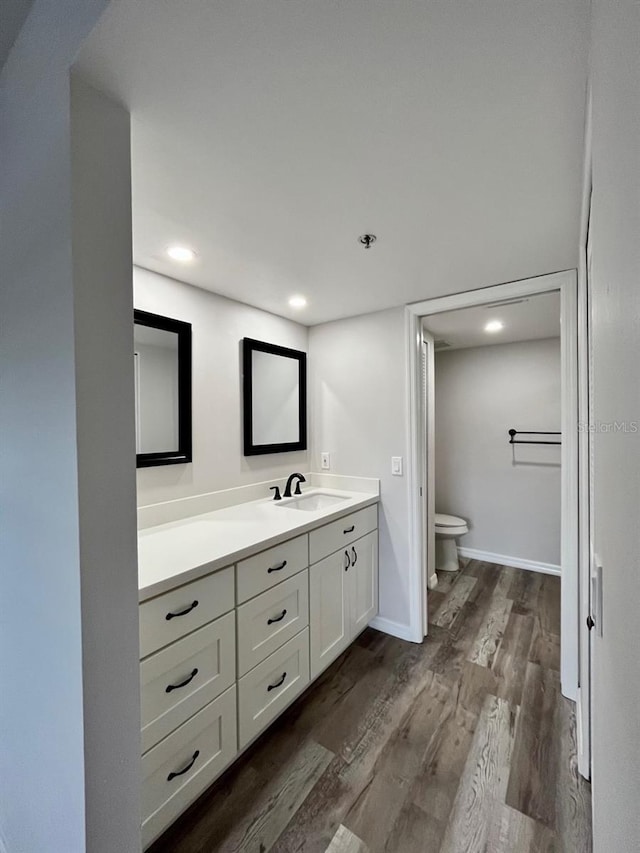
{"x":183,"y":612}
{"x":277,"y":568}
{"x":186,"y":769}
{"x":278,"y":618}
{"x":348,"y":566}
{"x":184,"y":683}
{"x":355,"y":557}
{"x":278,"y":683}
{"x":349,"y":529}
{"x":590,"y":622}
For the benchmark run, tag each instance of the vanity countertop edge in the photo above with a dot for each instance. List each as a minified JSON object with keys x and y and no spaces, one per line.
{"x":153,"y":582}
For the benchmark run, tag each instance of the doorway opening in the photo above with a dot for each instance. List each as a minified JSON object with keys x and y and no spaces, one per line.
{"x":494,"y":371}
{"x":422,"y":490}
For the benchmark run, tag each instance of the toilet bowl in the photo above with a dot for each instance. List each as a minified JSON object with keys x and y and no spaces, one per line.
{"x":448,"y":528}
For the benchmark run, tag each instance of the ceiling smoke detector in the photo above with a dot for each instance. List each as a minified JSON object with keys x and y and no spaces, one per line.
{"x":367,"y":240}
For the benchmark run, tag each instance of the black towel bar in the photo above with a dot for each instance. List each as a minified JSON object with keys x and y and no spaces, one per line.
{"x":514,"y":432}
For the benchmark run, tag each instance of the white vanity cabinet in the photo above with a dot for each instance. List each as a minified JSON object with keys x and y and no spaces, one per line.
{"x":271,"y":686}
{"x":363,"y":582}
{"x":343,"y":599}
{"x":183,"y":765}
{"x":223,"y":655}
{"x":187,"y":695}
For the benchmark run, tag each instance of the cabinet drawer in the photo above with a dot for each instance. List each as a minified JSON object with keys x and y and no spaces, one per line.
{"x":267,"y":690}
{"x":270,"y":619}
{"x":174,"y":614}
{"x":266,"y":569}
{"x":334,"y":536}
{"x":181,"y":766}
{"x":179,"y":680}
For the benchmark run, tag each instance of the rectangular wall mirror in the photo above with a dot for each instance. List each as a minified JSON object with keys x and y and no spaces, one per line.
{"x":274,"y":397}
{"x":162,"y":363}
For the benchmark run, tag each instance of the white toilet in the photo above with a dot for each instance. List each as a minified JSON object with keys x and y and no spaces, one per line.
{"x":448,"y":528}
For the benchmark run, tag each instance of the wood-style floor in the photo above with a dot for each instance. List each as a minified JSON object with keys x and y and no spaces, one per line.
{"x":461,"y":745}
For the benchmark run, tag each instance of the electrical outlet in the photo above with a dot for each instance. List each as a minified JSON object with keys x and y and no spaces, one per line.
{"x":396,"y":466}
{"x":325,"y":461}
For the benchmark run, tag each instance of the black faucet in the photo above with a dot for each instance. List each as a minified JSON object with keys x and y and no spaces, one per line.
{"x":287,"y":488}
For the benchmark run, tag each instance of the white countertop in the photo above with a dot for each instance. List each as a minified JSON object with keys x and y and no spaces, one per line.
{"x":181,"y":551}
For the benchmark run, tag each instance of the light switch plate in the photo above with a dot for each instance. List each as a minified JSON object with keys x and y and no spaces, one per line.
{"x":325,"y":461}
{"x":396,"y":466}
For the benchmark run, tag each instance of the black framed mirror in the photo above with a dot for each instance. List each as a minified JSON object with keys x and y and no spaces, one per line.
{"x":274,"y":398}
{"x":162,"y":363}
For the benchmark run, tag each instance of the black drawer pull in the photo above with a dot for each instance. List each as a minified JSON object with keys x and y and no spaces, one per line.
{"x":349,"y":529}
{"x":347,"y":567}
{"x":182,"y":683}
{"x":277,"y":568}
{"x":278,"y":618}
{"x":355,"y":556}
{"x":182,"y":612}
{"x":186,"y":769}
{"x":278,"y":683}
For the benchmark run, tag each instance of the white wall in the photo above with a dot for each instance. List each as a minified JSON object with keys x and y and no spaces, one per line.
{"x":615,"y":294}
{"x":219,"y":325}
{"x":103,"y":307}
{"x":357,"y":386}
{"x":69,"y":706}
{"x":509,"y":495}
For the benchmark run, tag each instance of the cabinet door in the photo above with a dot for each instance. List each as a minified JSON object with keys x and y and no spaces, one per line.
{"x":329,"y":615}
{"x":363,"y":582}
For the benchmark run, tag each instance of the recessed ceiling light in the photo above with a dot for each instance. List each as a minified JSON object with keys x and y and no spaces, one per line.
{"x":494,"y":326}
{"x":297,"y":302}
{"x":181,"y":253}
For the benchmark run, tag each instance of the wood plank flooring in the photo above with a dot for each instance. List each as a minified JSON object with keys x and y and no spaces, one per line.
{"x":463,"y":744}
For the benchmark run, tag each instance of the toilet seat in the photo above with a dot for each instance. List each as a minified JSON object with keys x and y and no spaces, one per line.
{"x":448,"y":529}
{"x":450,"y":525}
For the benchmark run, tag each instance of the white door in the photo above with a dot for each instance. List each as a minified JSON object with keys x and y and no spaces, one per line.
{"x":363,"y":582}
{"x":428,"y":502}
{"x":328,"y":610}
{"x":588,"y":578}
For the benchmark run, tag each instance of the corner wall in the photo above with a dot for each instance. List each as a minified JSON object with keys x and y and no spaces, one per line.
{"x":511,"y":496}
{"x":219,"y":324}
{"x":41,"y":713}
{"x":357,"y":386}
{"x":103,"y":307}
{"x":62,"y":788}
{"x":615,"y":336}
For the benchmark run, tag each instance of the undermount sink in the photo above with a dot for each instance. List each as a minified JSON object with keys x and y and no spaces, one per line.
{"x":313,"y":502}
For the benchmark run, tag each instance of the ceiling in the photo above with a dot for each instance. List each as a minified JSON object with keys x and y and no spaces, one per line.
{"x":527,"y":319}
{"x":270,"y":134}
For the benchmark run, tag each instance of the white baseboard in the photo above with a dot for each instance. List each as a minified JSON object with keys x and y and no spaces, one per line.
{"x":396,"y":629}
{"x":515,"y":562}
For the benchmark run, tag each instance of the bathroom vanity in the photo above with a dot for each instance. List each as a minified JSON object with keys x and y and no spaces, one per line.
{"x":240,"y":609}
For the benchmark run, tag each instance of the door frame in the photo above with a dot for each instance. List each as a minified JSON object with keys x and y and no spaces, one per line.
{"x":428,"y":493}
{"x":586,"y":497}
{"x":566,"y":283}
